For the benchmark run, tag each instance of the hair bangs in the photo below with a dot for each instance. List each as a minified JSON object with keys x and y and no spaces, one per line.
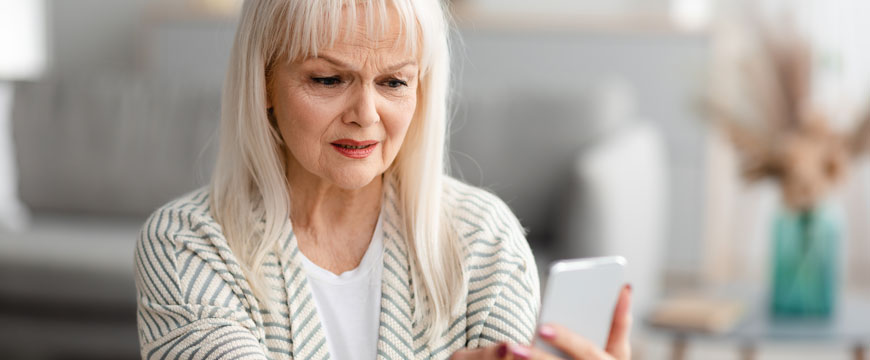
{"x":300,"y":29}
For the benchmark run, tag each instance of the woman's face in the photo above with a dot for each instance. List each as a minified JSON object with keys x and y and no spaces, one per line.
{"x":343,"y":114}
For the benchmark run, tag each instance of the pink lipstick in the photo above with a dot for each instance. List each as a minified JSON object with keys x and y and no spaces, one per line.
{"x":354,"y":149}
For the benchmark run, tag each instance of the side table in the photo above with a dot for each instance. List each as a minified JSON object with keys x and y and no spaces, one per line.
{"x":849,"y":327}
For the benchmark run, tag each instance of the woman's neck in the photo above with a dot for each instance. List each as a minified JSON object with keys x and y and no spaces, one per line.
{"x":317,"y":204}
{"x":333,"y":226}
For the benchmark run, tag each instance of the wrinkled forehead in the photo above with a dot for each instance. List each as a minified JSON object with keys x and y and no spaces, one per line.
{"x":359,"y":33}
{"x":316,"y":26}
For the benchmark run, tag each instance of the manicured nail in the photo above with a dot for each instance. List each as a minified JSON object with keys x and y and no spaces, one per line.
{"x":547,"y":332}
{"x":520,"y":352}
{"x":501,"y":351}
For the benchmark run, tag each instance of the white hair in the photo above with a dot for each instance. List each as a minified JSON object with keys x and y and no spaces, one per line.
{"x":249,"y":180}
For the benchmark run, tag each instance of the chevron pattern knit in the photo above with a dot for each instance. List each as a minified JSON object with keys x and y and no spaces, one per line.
{"x":194,"y":301}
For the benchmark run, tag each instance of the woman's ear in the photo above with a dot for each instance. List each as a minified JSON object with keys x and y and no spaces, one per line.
{"x":267,"y":74}
{"x":270,"y":111}
{"x":268,"y":94}
{"x":270,"y":115}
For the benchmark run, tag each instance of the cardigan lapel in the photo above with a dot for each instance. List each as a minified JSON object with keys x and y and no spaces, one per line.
{"x":396,"y":329}
{"x":307,"y":337}
{"x":395,"y":334}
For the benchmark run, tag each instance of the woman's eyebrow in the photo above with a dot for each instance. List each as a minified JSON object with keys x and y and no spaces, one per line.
{"x":336,"y":62}
{"x":400,"y":65}
{"x":345,"y":65}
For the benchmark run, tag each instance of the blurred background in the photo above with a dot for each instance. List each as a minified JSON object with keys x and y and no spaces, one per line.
{"x":716,"y":144}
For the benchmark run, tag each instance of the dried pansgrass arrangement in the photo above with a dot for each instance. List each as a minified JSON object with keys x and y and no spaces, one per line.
{"x":787,"y":138}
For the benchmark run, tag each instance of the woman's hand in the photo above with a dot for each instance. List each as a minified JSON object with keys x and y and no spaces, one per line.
{"x":571,"y":344}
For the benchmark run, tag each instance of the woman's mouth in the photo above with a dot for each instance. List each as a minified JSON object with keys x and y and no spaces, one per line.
{"x":354,"y":149}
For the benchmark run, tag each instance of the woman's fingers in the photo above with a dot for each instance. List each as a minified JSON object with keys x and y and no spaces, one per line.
{"x":571,"y":344}
{"x":491,"y":352}
{"x":503,"y":351}
{"x":577,"y":347}
{"x":522,"y":352}
{"x":618,"y":343}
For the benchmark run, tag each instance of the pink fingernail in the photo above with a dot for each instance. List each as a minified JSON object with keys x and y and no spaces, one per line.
{"x":520,"y":352}
{"x":547,"y":332}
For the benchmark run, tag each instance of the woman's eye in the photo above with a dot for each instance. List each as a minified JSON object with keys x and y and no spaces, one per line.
{"x":395,"y":83}
{"x":327,"y":81}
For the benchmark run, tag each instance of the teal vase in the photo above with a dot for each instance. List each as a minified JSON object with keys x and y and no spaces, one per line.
{"x":805,"y":262}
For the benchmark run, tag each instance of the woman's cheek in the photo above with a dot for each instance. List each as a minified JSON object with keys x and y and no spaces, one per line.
{"x":402,"y":120}
{"x":400,"y":134}
{"x":316,"y":115}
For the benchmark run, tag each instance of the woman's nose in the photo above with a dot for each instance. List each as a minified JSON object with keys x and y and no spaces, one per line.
{"x":364,"y":111}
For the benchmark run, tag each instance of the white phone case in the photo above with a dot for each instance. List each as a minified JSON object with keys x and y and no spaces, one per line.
{"x":581,"y":295}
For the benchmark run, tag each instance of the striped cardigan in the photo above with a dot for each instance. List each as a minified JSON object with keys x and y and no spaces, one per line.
{"x":194,"y":301}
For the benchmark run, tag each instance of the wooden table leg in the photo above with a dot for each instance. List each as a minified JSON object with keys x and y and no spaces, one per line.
{"x":859,"y":352}
{"x":678,"y":347}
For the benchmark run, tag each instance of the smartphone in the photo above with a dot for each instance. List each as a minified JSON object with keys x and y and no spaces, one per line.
{"x":581,"y":295}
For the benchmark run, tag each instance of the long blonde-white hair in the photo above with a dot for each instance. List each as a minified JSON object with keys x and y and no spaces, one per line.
{"x":249,"y":181}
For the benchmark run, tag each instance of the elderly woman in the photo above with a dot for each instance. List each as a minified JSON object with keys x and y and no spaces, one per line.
{"x":330,"y":228}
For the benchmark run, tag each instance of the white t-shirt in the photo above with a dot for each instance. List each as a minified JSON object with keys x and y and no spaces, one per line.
{"x":349,"y":304}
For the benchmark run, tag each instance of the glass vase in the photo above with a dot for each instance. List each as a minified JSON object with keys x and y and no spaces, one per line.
{"x":805,"y":262}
